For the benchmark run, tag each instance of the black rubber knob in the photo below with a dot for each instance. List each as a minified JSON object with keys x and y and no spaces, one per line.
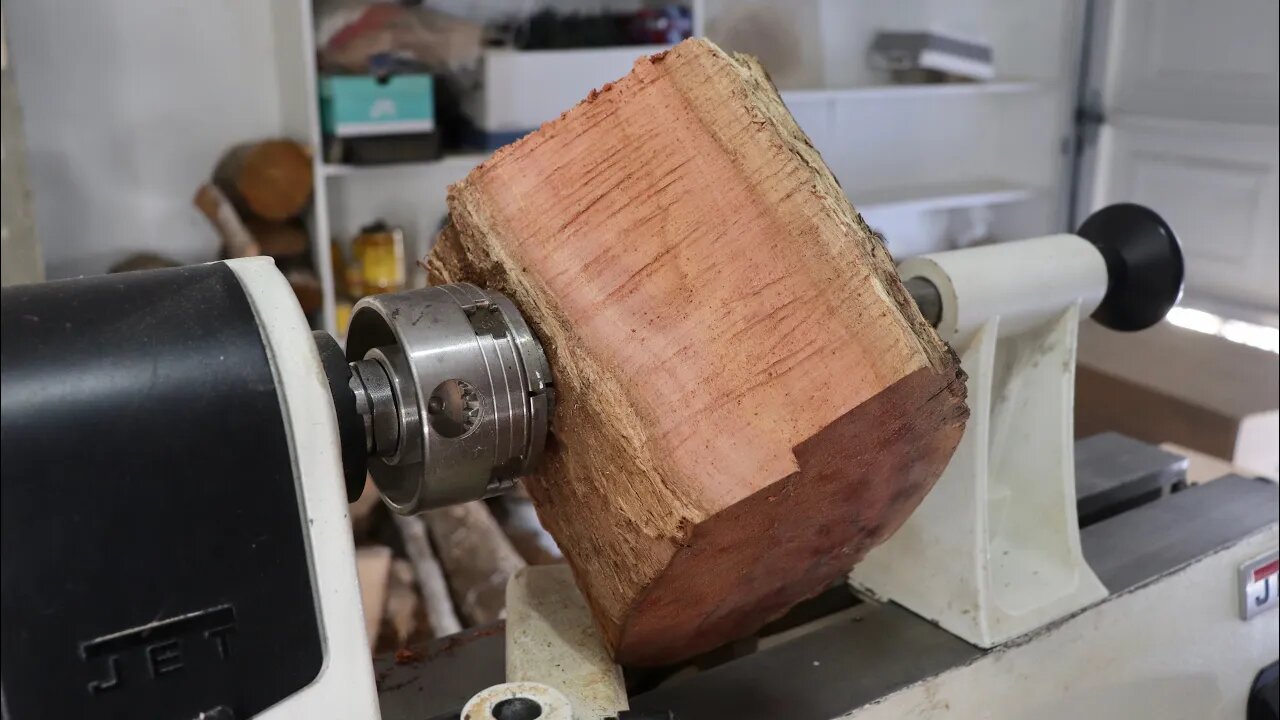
{"x":355,"y":460}
{"x":1144,"y":265}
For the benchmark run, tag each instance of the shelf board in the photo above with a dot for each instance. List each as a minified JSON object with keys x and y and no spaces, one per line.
{"x":914,"y":90}
{"x":457,"y":161}
{"x":940,"y":196}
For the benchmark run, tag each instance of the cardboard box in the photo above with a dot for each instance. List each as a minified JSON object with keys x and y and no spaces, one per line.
{"x":364,"y":105}
{"x":1168,"y":384}
{"x":371,"y":120}
{"x":521,"y":89}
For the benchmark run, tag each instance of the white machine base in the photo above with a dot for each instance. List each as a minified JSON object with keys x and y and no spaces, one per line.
{"x":1175,"y":647}
{"x":345,"y":687}
{"x":1005,"y":508}
{"x":993,"y":552}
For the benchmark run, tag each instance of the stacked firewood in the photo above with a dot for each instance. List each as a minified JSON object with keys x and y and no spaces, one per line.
{"x":445,"y":570}
{"x":255,"y":202}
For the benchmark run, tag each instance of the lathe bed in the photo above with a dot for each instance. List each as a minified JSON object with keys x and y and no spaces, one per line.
{"x":868,"y":655}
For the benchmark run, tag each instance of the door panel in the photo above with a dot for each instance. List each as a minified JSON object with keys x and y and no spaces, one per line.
{"x":1217,"y":189}
{"x":1190,"y":92}
{"x":1196,"y":60}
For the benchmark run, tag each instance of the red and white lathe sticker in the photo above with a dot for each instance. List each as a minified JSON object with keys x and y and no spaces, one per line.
{"x":1259,"y":584}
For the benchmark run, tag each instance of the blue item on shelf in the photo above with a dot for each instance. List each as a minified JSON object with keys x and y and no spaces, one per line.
{"x":370,"y":119}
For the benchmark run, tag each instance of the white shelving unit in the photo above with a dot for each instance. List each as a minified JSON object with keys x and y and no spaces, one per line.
{"x":460,"y":160}
{"x":892,"y":92}
{"x":295,"y":52}
{"x":411,"y":196}
{"x":921,"y":162}
{"x":346,"y":197}
{"x":941,"y":196}
{"x":930,"y":164}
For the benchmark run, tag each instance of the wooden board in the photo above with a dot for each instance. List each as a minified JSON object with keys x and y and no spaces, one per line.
{"x":363,"y":511}
{"x":400,"y":622}
{"x":373,"y":570}
{"x":442,"y":618}
{"x":477,"y":559}
{"x":1170,"y":384}
{"x":748,"y":400}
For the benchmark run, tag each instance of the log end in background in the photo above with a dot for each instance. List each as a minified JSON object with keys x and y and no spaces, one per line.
{"x":271,"y":179}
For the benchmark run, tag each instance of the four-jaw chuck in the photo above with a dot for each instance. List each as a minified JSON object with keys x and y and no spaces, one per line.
{"x":452,"y":392}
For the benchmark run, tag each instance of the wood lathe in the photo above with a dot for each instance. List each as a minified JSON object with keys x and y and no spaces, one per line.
{"x":443,"y":394}
{"x":662,"y":310}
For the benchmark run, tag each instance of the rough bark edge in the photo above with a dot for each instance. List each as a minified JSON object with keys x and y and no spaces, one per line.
{"x":648,"y":539}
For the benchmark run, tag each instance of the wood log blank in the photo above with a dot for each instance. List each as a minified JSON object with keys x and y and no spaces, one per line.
{"x":269,"y":179}
{"x":748,"y":398}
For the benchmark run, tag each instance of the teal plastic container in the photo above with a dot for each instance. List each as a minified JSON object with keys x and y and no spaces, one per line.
{"x":364,"y":106}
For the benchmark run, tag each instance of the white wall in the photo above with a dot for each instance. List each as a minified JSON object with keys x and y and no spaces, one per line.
{"x":128,"y":105}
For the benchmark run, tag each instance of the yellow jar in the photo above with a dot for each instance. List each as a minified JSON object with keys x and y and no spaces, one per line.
{"x":379,"y":249}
